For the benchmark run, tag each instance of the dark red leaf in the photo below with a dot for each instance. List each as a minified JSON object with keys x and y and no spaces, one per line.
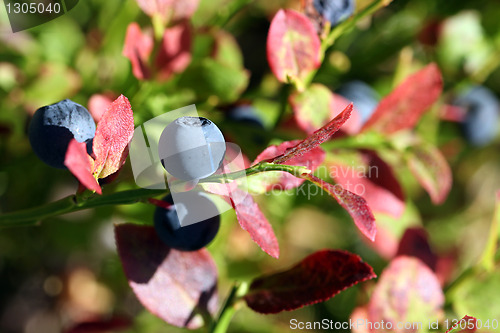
{"x":252,"y":220}
{"x":80,"y":164}
{"x":404,"y":106}
{"x":374,"y":181}
{"x":175,"y":51}
{"x":114,"y":132}
{"x":315,"y":106}
{"x":293,"y":47}
{"x":407,"y":292}
{"x":316,"y":278}
{"x":415,"y":243}
{"x":103,"y":325}
{"x":99,"y":103}
{"x":169,"y":10}
{"x":176,"y":286}
{"x":137,"y":48}
{"x":355,"y":205}
{"x":311,"y":159}
{"x":432,"y":171}
{"x":467,"y":324}
{"x":317,"y":138}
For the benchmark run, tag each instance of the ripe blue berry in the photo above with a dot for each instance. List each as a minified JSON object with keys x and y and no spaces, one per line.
{"x":364,"y":98}
{"x":191,"y":205}
{"x":53,"y":126}
{"x":483,"y":115}
{"x":245,"y":114}
{"x":191,"y":148}
{"x":334,"y":11}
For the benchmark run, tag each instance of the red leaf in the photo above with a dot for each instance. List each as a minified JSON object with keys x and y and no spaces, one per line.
{"x":404,"y":106}
{"x":160,"y":203}
{"x":103,"y":325}
{"x":137,"y":48}
{"x":355,"y":205}
{"x":415,"y":243}
{"x":252,"y":220}
{"x":315,"y":106}
{"x":432,"y":171}
{"x":312,"y":160}
{"x":317,"y":138}
{"x":464,"y":325}
{"x":175,"y":52}
{"x":453,"y":113}
{"x":169,"y":10}
{"x":80,"y":164}
{"x":407,"y":291}
{"x":113,"y":133}
{"x":293,"y":48}
{"x":99,"y":103}
{"x":316,"y":278}
{"x":375,"y":182}
{"x":171,"y":284}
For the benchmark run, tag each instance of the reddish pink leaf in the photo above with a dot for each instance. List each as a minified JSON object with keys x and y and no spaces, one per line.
{"x":102,"y":325}
{"x":355,"y":205}
{"x":374,"y":181}
{"x":293,"y":47}
{"x":169,"y":10}
{"x":137,"y":48}
{"x":314,"y":107}
{"x":415,"y":243}
{"x":175,"y":52}
{"x":453,"y":113}
{"x":317,"y":138}
{"x":312,"y":160}
{"x":99,"y":103}
{"x":80,"y":164}
{"x":252,"y":220}
{"x":173,"y":285}
{"x":160,"y":203}
{"x":359,"y":315}
{"x":407,"y":291}
{"x":432,"y":171}
{"x":315,"y":279}
{"x":404,"y":106}
{"x":113,"y":133}
{"x":467,"y":324}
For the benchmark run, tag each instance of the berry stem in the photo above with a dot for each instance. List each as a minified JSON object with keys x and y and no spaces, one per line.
{"x":229,"y":308}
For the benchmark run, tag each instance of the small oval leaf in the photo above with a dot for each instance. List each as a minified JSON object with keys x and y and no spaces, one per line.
{"x":316,"y":278}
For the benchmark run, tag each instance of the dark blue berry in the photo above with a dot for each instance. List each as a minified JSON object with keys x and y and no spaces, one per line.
{"x":483,"y":115}
{"x":364,"y":98}
{"x":245,"y":114}
{"x":193,"y":205}
{"x":53,"y":126}
{"x":191,"y":148}
{"x":335,"y":11}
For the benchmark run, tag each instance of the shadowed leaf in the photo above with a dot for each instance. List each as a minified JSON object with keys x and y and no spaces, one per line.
{"x":317,"y":278}
{"x":104,"y":325}
{"x":415,"y":243}
{"x":407,"y":291}
{"x":355,"y":205}
{"x":432,"y":171}
{"x":80,"y":164}
{"x":293,"y":48}
{"x":404,"y":106}
{"x":174,"y":285}
{"x":114,"y":132}
{"x":175,"y":51}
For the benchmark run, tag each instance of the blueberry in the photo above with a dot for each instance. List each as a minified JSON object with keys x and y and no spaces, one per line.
{"x":191,"y":148}
{"x":245,"y":114}
{"x":481,"y":120}
{"x":334,"y":11}
{"x":53,"y":126}
{"x":364,"y":98}
{"x":191,"y":237}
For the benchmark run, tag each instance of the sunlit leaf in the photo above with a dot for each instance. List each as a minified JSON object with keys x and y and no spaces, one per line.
{"x":137,"y":48}
{"x":80,"y":164}
{"x":174,"y":54}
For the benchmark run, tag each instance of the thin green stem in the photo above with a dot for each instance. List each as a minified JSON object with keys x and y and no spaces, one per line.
{"x":229,"y":308}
